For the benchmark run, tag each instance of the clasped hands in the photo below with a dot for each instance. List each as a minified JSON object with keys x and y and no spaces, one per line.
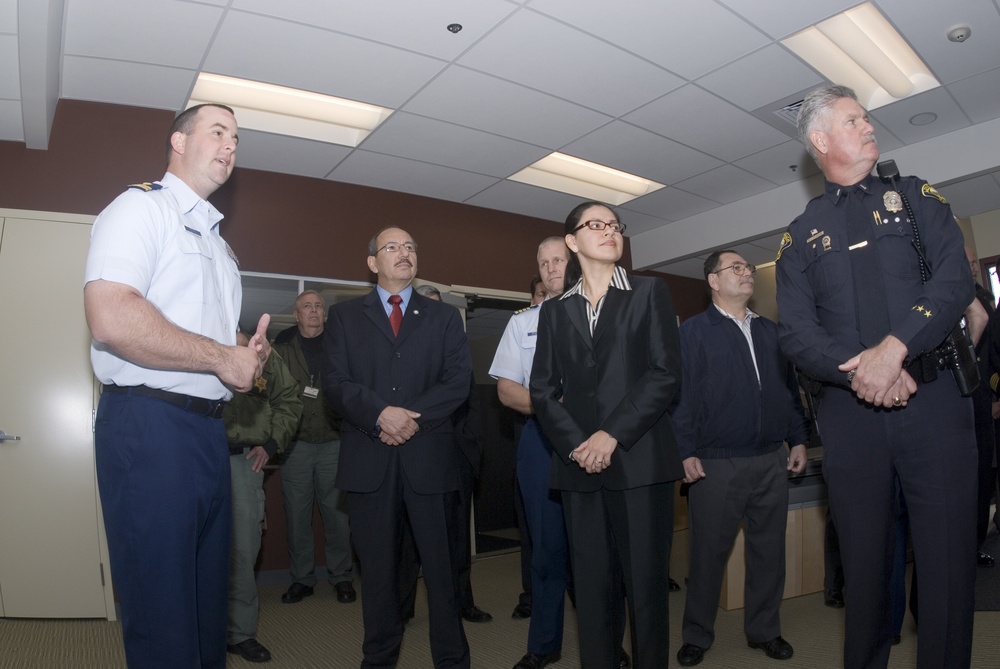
{"x":397,"y":425}
{"x":878,"y":376}
{"x":594,"y":455}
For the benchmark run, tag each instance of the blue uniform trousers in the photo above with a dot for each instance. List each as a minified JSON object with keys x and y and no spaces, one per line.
{"x":931,"y":446}
{"x":165,"y":489}
{"x":547,"y":527}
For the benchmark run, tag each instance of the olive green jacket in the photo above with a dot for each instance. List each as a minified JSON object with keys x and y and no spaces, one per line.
{"x":268,"y":414}
{"x":319,"y":423}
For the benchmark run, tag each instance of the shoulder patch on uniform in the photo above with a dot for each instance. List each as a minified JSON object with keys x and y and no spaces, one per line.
{"x":786,"y":241}
{"x":146,"y":186}
{"x":927,"y":190}
{"x":521,"y":311}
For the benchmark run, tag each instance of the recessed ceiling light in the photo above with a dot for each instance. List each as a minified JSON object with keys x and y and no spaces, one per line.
{"x":924,"y":118}
{"x":289,"y":111}
{"x":861,"y":49}
{"x":566,"y":174}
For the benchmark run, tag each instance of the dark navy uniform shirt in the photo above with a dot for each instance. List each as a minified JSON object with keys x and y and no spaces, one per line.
{"x":816,"y":300}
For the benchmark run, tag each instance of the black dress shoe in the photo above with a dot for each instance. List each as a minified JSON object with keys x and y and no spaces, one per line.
{"x":345,"y":592}
{"x":834,"y":599}
{"x":250,"y":650}
{"x":624,"y":661}
{"x":295,"y":593}
{"x":776,"y":649}
{"x":521,"y":611}
{"x":673,"y":586}
{"x":533,"y":661}
{"x":690,"y":655}
{"x":474,"y":614}
{"x":985,"y":560}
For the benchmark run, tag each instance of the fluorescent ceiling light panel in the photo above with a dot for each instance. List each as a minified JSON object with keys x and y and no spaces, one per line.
{"x":860,"y":49}
{"x":289,"y":111}
{"x":567,"y":174}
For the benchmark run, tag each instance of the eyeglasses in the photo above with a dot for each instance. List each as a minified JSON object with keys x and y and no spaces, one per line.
{"x":598,"y":224}
{"x":739,"y":268}
{"x":395,"y":247}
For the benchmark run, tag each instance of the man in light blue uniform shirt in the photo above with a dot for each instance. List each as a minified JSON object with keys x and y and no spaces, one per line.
{"x":162,"y":300}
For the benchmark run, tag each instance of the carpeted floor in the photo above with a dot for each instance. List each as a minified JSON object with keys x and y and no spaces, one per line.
{"x":988,"y":580}
{"x":321,"y":633}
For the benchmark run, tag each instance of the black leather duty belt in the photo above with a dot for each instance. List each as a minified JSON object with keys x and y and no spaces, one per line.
{"x":198,"y":405}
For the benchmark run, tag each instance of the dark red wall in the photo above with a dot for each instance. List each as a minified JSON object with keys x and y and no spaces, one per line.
{"x":279,"y":223}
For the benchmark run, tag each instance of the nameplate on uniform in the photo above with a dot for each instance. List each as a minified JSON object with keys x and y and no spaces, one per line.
{"x":859,"y":245}
{"x":311,"y":392}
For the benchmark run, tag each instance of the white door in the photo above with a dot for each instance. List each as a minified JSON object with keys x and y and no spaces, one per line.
{"x":50,"y":531}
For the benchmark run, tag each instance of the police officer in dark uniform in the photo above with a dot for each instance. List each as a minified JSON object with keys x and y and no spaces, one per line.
{"x":856,"y":314}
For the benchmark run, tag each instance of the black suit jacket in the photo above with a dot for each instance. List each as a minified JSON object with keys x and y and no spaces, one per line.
{"x":621,"y":381}
{"x":427,"y":369}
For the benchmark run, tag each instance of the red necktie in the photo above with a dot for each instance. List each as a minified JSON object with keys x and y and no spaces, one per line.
{"x":396,"y":317}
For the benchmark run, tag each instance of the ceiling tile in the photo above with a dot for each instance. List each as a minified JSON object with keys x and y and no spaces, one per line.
{"x":780,"y":18}
{"x":688,"y":38}
{"x":896,"y":117}
{"x":725,"y":184}
{"x":339,"y":65}
{"x":8,"y":16}
{"x":10,"y":76}
{"x":973,"y":196}
{"x":927,"y":22}
{"x":755,"y":253}
{"x":124,"y":83}
{"x":776,"y":164}
{"x":287,"y":155}
{"x":409,"y":176}
{"x":526,"y":200}
{"x":417,"y":26}
{"x":769,"y":243}
{"x":578,"y":67}
{"x":761,"y":78}
{"x":979,"y":96}
{"x":637,"y":151}
{"x":693,"y":117}
{"x":440,"y":143}
{"x":671,"y":204}
{"x":166,"y":32}
{"x":478,"y":100}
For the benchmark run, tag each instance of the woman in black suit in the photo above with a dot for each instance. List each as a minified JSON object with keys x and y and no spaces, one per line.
{"x":607,"y":366}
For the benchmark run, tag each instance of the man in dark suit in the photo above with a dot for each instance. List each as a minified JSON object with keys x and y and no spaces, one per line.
{"x":399,"y":367}
{"x":469,"y":454}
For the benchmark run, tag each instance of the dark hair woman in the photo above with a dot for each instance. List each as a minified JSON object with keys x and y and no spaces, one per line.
{"x":607,"y":366}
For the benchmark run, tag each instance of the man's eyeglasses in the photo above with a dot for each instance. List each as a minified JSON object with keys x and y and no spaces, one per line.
{"x":739,"y":268}
{"x":395,"y":247}
{"x":598,"y":224}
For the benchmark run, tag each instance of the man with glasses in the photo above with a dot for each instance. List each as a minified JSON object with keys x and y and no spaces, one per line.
{"x":398,"y":367}
{"x":739,"y":405}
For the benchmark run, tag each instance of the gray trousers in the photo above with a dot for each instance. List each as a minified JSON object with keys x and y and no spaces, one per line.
{"x":248,"y":515}
{"x":307,"y":476}
{"x":754,"y":491}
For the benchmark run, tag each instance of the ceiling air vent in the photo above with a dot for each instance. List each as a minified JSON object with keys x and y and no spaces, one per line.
{"x":789,"y":113}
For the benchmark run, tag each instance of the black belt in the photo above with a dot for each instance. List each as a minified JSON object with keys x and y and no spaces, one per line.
{"x":198,"y":405}
{"x":237,"y":449}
